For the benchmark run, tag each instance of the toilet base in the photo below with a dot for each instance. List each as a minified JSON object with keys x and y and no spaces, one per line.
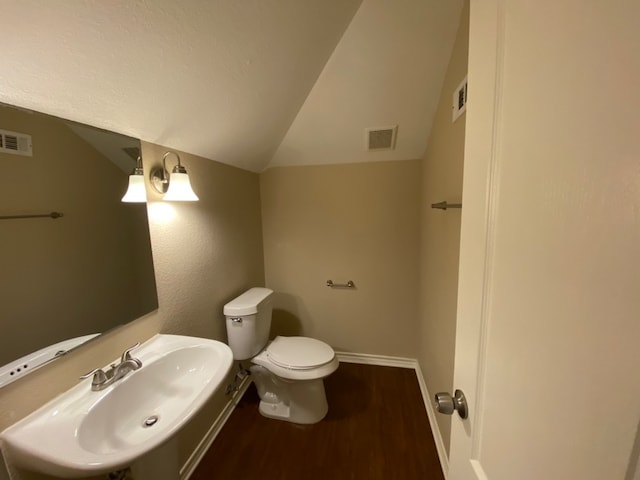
{"x":302,"y":402}
{"x":279,"y":411}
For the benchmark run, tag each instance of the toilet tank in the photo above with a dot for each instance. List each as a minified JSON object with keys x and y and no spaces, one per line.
{"x":248,"y":319}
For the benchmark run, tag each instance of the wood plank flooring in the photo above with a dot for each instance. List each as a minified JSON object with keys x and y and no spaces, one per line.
{"x":376,"y":429}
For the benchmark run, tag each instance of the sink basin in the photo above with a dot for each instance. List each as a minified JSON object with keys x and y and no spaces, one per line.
{"x":83,"y":433}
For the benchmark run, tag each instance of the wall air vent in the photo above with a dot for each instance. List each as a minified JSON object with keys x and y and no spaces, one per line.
{"x":460,"y":100}
{"x":15,"y":143}
{"x":382,"y":138}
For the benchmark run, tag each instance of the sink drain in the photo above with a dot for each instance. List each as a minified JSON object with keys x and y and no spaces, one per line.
{"x":150,"y":421}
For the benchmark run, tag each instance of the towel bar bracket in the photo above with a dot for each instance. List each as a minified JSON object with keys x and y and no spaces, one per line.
{"x":445,"y":205}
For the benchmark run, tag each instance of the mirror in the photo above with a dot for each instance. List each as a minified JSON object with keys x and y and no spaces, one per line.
{"x":65,"y":279}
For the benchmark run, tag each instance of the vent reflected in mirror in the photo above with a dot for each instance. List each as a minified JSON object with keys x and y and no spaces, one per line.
{"x":84,"y":272}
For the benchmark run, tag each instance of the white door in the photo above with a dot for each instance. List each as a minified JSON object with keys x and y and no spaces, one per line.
{"x":548,"y":338}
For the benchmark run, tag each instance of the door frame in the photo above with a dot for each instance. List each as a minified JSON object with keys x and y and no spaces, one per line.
{"x":477,"y":234}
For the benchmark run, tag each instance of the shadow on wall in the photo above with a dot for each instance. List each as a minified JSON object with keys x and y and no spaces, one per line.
{"x":633,"y":471}
{"x":285,"y":323}
{"x":285,"y":318}
{"x":4,"y":475}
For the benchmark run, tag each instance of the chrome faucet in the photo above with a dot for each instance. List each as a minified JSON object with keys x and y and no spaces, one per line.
{"x":102,"y":379}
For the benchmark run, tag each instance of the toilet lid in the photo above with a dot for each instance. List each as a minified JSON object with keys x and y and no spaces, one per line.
{"x":299,"y":352}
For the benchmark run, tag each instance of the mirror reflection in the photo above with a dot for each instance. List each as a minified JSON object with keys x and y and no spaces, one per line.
{"x":66,"y":279}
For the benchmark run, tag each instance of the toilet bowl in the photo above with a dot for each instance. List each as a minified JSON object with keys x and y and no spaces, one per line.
{"x":288,"y":371}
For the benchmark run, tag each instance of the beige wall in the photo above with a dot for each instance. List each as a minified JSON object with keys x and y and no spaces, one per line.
{"x":344,"y":222}
{"x":440,"y":232}
{"x":205,"y":253}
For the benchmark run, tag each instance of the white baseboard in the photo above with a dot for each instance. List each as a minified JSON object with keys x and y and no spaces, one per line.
{"x":199,"y":452}
{"x":380,"y":360}
{"x":402,"y":362}
{"x":431,"y":413}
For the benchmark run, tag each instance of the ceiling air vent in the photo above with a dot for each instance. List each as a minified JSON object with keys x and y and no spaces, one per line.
{"x":15,"y":143}
{"x":382,"y":138}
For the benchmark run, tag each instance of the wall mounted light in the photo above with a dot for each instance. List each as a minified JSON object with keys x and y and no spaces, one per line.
{"x":175,"y":187}
{"x":136,"y":192}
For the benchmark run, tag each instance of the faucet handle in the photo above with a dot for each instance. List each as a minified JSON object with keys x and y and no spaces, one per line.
{"x":126,"y":355}
{"x":98,"y":376}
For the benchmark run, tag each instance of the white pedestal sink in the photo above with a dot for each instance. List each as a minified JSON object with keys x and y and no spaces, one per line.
{"x":83,"y":433}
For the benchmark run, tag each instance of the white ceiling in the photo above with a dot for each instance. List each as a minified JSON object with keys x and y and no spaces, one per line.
{"x":227,"y":79}
{"x":387,"y":70}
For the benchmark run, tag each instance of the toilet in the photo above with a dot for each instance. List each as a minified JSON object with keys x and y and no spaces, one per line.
{"x":288,"y":371}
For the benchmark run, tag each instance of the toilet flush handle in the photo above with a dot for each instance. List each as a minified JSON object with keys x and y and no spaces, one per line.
{"x":236,"y":319}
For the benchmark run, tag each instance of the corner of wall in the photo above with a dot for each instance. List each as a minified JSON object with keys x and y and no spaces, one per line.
{"x":440,"y":232}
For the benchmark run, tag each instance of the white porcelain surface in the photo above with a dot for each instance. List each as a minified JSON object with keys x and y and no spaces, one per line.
{"x":302,"y":402}
{"x":299,"y":352}
{"x":248,"y":303}
{"x":248,"y":319}
{"x":84,"y":433}
{"x":315,"y":373}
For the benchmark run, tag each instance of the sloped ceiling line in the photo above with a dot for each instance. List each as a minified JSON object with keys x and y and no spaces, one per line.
{"x":253,"y":84}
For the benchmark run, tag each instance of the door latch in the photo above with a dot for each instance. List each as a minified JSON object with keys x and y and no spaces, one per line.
{"x":446,"y":404}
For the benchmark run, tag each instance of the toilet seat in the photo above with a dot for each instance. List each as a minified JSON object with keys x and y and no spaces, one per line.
{"x":298,"y":358}
{"x":299,"y":353}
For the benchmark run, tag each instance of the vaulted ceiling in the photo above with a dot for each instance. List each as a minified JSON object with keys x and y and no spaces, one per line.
{"x":254,"y":84}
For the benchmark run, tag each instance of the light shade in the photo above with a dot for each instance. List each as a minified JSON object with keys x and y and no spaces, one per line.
{"x":175,"y":187}
{"x":136,"y":192}
{"x":180,"y":189}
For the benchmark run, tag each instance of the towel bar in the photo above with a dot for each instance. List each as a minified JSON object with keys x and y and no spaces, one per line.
{"x":349,"y":284}
{"x":53,"y":215}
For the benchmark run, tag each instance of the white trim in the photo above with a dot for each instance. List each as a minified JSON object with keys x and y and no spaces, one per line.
{"x":199,"y":452}
{"x":490,"y":232}
{"x":380,"y":360}
{"x":478,"y":470}
{"x":431,"y":414}
{"x":402,"y":362}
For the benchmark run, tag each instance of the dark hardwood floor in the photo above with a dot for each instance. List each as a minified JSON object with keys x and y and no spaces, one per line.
{"x":376,"y":428}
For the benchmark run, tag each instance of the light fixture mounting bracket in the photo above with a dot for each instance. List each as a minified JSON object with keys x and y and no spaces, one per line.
{"x":159,"y":180}
{"x":160,"y":176}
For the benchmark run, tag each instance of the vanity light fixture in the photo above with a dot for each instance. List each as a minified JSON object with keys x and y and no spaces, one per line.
{"x":136,"y":192}
{"x":175,"y":187}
